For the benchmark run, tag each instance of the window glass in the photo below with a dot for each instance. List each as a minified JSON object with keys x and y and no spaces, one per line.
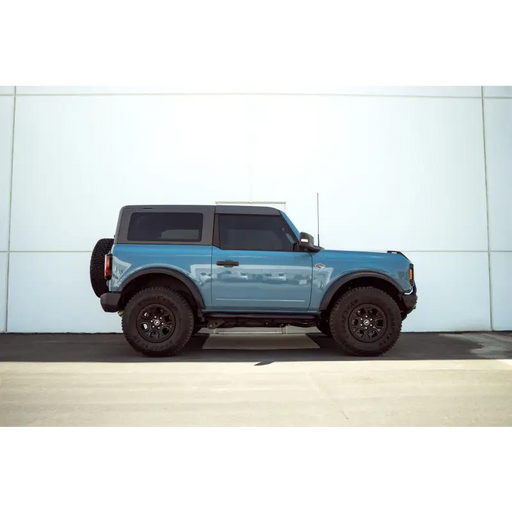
{"x":255,"y":233}
{"x":165,"y":227}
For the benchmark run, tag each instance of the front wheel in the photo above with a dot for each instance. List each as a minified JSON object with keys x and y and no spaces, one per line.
{"x":158,"y":322}
{"x":324,"y":328}
{"x":365,"y":322}
{"x":196,"y":329}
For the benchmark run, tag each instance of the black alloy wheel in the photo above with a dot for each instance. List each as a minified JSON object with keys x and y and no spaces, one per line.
{"x":156,"y":323}
{"x":367,"y":322}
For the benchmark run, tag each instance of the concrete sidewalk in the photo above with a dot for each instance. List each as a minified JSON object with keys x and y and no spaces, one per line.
{"x":427,"y":379}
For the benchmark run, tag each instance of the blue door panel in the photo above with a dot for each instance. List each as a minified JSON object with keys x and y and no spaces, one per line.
{"x":263,"y":280}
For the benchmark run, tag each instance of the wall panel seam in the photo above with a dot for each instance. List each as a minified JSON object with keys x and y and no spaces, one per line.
{"x":255,"y":94}
{"x":487,"y":213}
{"x":10,"y":215}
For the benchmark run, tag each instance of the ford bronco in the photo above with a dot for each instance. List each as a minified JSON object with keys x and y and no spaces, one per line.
{"x":172,"y":270}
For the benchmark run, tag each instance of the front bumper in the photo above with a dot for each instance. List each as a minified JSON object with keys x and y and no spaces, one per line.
{"x":410,"y":300}
{"x":110,"y":302}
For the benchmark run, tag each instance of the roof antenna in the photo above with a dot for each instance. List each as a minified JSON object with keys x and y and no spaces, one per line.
{"x":318,"y":217}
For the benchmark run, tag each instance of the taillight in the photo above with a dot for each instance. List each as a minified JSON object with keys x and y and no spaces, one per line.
{"x":411,"y":274}
{"x":108,"y":266}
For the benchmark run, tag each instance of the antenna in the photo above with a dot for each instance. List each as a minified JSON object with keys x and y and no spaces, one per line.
{"x":318,"y":218}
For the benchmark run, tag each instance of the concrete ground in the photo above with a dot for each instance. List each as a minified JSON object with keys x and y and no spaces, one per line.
{"x":258,"y":380}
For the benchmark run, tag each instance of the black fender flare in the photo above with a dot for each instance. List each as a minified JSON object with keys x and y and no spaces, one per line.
{"x":191,"y":286}
{"x":338,"y":283}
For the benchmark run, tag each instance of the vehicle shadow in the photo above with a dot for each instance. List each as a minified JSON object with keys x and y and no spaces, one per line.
{"x":261,"y":350}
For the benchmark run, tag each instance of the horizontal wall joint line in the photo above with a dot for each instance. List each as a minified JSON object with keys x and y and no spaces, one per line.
{"x":253,"y":94}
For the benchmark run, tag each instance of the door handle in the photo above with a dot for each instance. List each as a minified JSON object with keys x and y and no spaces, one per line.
{"x":227,"y":263}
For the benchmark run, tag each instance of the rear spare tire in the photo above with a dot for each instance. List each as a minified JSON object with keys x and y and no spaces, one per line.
{"x":97,"y":267}
{"x":365,"y":322}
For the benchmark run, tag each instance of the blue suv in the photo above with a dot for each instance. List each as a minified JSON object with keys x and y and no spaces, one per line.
{"x":171,"y":270}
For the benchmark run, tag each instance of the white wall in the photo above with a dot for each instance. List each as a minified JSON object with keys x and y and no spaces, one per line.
{"x":396,"y":168}
{"x":6,"y":90}
{"x":453,"y":92}
{"x":498,"y":131}
{"x":6,"y":117}
{"x":3,"y":290}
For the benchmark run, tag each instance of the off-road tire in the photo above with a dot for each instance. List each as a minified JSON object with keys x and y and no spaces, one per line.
{"x":97,"y":265}
{"x":346,"y":305}
{"x":325,"y":342}
{"x":324,"y":328}
{"x":183,"y":321}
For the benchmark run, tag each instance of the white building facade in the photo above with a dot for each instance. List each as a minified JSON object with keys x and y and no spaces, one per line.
{"x":423,"y":170}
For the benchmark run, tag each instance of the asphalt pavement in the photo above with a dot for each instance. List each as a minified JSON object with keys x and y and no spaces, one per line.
{"x":428,"y":379}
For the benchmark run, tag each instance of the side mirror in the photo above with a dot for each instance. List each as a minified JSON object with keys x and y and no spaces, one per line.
{"x":306,"y":243}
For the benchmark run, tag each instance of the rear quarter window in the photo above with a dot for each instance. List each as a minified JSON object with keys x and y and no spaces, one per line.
{"x":165,"y":227}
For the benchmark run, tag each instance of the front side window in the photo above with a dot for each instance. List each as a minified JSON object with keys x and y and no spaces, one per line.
{"x":255,"y":233}
{"x":165,"y":227}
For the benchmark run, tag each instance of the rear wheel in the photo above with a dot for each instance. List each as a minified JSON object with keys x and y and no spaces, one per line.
{"x":365,"y":322}
{"x":158,"y":322}
{"x":97,"y":265}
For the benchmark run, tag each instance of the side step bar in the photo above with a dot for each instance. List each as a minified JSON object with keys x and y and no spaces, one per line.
{"x":217,"y":319}
{"x":265,"y":316}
